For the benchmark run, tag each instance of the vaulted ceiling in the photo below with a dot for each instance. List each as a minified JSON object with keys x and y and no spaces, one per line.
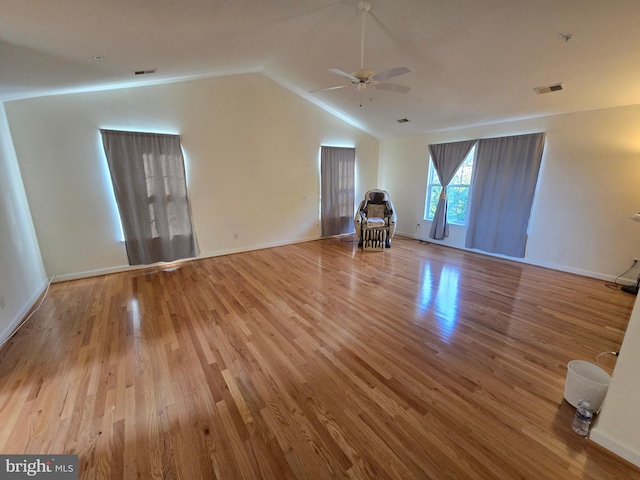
{"x":473,"y":62}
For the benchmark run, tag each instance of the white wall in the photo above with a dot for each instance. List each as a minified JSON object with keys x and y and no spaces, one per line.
{"x":618,"y":424}
{"x":252,"y":153}
{"x":249,"y":142}
{"x":22,"y":275}
{"x":587,"y":189}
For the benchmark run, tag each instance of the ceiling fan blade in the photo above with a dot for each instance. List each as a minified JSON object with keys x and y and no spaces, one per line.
{"x":392,"y":87}
{"x":330,"y":88}
{"x":344,"y":74}
{"x":392,"y":72}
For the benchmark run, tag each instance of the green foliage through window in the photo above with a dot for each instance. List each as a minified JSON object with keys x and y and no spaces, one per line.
{"x":457,"y":192}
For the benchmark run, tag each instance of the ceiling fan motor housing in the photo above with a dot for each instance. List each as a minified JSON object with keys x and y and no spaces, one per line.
{"x":363,"y":74}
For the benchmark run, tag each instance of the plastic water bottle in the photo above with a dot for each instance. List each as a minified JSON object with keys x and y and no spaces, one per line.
{"x":583,"y":418}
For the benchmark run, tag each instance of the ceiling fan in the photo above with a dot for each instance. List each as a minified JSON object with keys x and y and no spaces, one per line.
{"x":364,"y":78}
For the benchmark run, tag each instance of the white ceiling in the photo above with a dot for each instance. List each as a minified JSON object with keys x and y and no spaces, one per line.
{"x":473,"y":61}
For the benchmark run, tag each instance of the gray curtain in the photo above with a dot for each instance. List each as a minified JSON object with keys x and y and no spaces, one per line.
{"x":504,"y":182}
{"x":148,"y":176}
{"x":446,"y":158}
{"x":337,"y":172}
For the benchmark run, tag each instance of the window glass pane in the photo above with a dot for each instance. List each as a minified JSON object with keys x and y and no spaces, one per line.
{"x":465,"y":172}
{"x":433,"y":199}
{"x":457,"y":178}
{"x":457,"y":206}
{"x":457,"y":192}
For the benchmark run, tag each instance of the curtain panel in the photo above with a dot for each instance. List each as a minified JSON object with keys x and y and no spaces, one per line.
{"x":504,"y":182}
{"x":446,"y":158}
{"x":337,"y":173}
{"x":149,"y":181}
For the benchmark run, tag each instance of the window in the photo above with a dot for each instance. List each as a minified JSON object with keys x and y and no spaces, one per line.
{"x":337,"y":190}
{"x":149,"y":182}
{"x":457,"y":192}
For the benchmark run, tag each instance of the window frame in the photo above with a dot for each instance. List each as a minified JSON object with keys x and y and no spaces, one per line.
{"x":434,"y":182}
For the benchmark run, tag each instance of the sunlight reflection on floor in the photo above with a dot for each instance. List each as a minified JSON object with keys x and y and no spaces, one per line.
{"x":135,"y":315}
{"x":445,"y":303}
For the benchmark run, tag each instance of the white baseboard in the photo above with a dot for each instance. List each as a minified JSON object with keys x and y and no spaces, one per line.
{"x":201,"y":255}
{"x":229,"y":251}
{"x":561,"y":268}
{"x":9,"y":329}
{"x":613,"y":445}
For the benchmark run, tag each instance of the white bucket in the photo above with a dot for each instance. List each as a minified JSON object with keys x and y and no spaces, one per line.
{"x":586,"y":381}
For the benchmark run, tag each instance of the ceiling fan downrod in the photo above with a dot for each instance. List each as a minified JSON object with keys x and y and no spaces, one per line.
{"x":364,"y":78}
{"x":365,"y":7}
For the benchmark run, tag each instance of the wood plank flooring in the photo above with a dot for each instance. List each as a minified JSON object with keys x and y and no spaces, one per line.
{"x":314,"y":361}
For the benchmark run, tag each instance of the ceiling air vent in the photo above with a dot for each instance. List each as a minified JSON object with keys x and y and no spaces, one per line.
{"x":549,"y":88}
{"x":145,"y":72}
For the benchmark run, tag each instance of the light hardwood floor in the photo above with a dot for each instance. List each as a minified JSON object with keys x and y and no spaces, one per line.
{"x":314,"y":360}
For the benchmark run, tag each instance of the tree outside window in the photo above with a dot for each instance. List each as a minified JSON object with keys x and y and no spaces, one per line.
{"x":457,"y":192}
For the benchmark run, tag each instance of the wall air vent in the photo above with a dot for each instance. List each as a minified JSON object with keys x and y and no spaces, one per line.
{"x":549,"y":88}
{"x":144,"y":72}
